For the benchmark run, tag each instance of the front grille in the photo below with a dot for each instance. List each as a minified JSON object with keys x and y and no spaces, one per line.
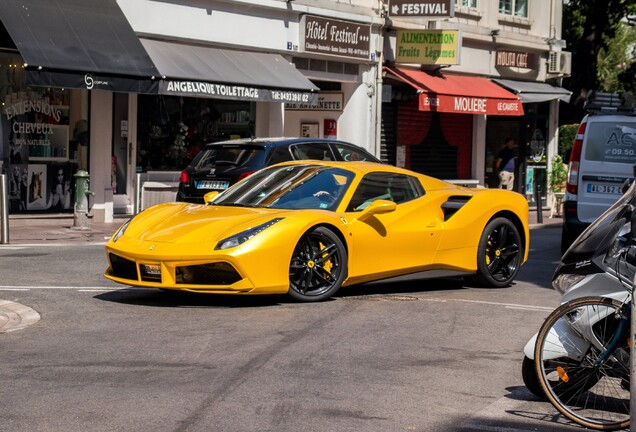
{"x":123,"y":268}
{"x":207,"y":274}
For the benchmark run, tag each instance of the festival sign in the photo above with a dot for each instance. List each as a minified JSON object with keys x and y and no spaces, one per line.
{"x":426,"y":9}
{"x":428,"y":46}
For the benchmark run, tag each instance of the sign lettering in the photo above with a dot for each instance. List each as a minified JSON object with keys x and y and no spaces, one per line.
{"x":428,"y":46}
{"x":430,"y":8}
{"x":342,"y":38}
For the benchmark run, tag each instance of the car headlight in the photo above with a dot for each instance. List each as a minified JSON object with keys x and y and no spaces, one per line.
{"x":120,"y":232}
{"x":564,"y":282}
{"x":243,"y":236}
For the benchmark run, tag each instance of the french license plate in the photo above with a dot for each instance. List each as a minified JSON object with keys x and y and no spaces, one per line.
{"x":213,"y":184}
{"x":151,"y":269}
{"x":604,"y":189}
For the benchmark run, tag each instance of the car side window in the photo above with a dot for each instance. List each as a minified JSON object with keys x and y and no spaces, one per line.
{"x":395,"y":187}
{"x":279,"y":154}
{"x":349,"y":153}
{"x":315,"y":151}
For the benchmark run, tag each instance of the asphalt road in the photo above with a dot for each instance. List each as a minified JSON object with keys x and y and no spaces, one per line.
{"x":413,"y":355}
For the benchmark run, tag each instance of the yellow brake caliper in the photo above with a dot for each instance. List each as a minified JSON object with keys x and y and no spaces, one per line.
{"x":327,"y":264}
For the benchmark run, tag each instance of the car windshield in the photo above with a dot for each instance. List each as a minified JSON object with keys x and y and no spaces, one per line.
{"x":290,"y":187}
{"x":229,"y":155}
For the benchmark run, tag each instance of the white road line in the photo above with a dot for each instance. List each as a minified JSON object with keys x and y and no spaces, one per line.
{"x":14,"y":289}
{"x":512,"y":305}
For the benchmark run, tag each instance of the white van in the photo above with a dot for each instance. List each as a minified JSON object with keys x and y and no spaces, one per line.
{"x":601,"y":160}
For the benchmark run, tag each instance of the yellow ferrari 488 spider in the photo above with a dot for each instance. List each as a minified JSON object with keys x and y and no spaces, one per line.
{"x":306,"y":228}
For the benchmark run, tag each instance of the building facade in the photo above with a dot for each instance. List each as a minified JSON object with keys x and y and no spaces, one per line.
{"x":129,"y":90}
{"x":440,"y":110}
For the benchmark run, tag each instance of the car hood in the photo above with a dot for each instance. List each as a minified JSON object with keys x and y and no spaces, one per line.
{"x":193,"y":223}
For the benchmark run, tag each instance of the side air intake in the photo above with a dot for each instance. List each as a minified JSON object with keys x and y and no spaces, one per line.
{"x":453,"y":205}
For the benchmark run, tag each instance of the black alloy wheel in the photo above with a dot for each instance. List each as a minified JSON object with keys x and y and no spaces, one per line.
{"x":499,"y":254}
{"x":318,"y":266}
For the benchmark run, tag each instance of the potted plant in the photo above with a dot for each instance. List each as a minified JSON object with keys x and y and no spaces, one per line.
{"x":558,"y":175}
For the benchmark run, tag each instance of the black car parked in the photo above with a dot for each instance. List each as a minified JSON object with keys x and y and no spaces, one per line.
{"x":220,"y":165}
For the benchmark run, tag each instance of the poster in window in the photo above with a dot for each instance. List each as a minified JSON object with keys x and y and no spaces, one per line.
{"x":36,"y":189}
{"x":309,"y":130}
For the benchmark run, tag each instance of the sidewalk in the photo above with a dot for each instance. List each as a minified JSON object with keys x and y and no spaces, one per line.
{"x":58,"y":228}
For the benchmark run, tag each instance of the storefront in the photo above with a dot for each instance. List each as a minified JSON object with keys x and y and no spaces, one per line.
{"x":143,"y":104}
{"x":438,"y":119}
{"x":535,"y":134}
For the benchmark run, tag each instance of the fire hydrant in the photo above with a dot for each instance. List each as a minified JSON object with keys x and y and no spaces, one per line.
{"x":80,"y":212}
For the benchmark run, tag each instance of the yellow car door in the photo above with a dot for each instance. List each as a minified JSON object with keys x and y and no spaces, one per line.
{"x":386,"y":238}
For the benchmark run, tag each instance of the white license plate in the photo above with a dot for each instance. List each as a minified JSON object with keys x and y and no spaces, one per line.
{"x":604,"y":189}
{"x":213,"y":184}
{"x":151,"y":269}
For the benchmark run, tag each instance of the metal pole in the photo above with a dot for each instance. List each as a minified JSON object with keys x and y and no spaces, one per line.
{"x":632,"y":361}
{"x":537,"y":198}
{"x":4,"y":209}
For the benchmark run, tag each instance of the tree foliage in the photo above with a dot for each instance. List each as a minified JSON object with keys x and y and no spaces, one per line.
{"x":590,"y":28}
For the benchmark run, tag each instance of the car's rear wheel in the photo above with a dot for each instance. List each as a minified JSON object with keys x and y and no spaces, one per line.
{"x":499,"y":253}
{"x":318,"y":266}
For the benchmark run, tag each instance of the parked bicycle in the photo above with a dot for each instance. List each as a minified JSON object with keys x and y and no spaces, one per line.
{"x":579,"y":359}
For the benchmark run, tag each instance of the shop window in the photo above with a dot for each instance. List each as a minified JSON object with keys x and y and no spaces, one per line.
{"x":172,"y":129}
{"x":518,"y":8}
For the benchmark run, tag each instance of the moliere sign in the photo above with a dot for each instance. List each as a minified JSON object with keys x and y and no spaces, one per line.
{"x":428,"y":46}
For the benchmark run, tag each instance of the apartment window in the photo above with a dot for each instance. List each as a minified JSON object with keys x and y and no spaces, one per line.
{"x":518,"y":8}
{"x":467,"y":3}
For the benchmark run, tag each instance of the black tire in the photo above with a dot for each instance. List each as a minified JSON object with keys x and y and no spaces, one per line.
{"x":499,"y":254}
{"x":588,"y":385}
{"x":318,"y":266}
{"x":530,"y":378}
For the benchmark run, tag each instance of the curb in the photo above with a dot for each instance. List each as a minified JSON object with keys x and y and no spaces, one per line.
{"x":14,"y":316}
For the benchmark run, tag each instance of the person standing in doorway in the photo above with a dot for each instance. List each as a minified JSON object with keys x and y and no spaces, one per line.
{"x":505,"y":165}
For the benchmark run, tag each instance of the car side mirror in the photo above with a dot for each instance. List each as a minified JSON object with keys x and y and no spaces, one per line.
{"x":378,"y":207}
{"x":209,"y":197}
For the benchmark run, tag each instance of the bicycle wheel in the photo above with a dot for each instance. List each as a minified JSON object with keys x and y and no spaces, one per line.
{"x":580,"y":377}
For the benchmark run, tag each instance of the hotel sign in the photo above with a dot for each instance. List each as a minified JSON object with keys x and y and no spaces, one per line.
{"x":335,"y":37}
{"x":427,"y":9}
{"x":428,"y":46}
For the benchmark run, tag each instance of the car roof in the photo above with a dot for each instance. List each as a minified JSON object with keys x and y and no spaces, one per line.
{"x":362,"y":168}
{"x":275,"y":141}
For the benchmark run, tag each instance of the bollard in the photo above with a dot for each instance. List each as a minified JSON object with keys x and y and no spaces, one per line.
{"x":537,"y":199}
{"x":80,"y":210}
{"x":4,"y":209}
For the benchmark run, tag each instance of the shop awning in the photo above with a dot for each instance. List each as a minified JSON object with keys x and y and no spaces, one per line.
{"x":78,"y":44}
{"x":531,"y":92}
{"x":459,"y":94}
{"x":189,"y":70}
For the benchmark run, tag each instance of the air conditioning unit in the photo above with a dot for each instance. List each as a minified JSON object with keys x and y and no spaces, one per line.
{"x":560,"y":62}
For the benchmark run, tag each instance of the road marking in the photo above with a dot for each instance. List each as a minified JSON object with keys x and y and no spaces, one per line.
{"x":36,"y":245}
{"x":14,"y":289}
{"x":508,"y":305}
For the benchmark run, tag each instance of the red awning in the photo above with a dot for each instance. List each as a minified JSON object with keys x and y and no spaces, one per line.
{"x":459,"y":94}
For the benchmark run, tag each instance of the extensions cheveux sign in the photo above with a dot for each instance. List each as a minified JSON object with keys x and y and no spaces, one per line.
{"x":335,"y":37}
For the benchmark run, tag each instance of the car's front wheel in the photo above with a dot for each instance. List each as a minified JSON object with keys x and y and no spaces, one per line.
{"x":499,"y":254}
{"x":318,"y":265}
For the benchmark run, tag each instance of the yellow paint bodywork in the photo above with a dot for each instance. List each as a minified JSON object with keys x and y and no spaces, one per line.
{"x":412,"y":238}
